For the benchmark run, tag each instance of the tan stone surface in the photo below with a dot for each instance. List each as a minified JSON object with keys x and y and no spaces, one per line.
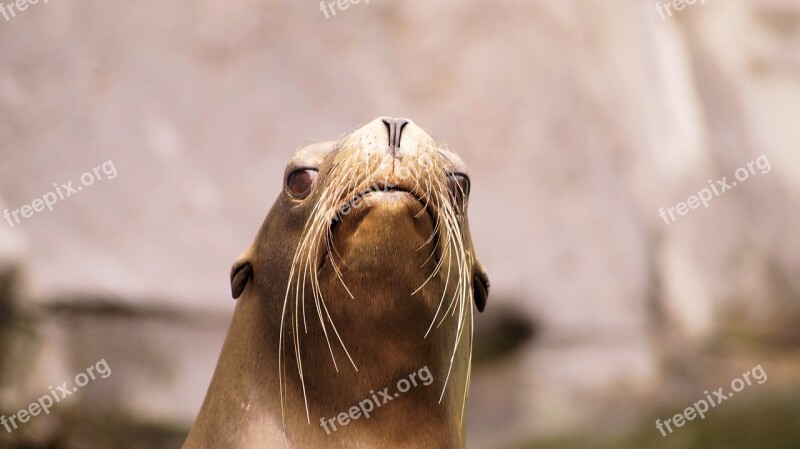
{"x":579,"y":119}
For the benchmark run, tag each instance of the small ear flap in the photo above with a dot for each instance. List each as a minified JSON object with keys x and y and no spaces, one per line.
{"x":241,"y":272}
{"x":480,"y":286}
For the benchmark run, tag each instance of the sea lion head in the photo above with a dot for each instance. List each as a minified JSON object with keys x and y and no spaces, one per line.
{"x":368,"y":245}
{"x":365,"y":256}
{"x":358,"y":204}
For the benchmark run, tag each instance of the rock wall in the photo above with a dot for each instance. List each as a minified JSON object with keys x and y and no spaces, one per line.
{"x":580,"y":120}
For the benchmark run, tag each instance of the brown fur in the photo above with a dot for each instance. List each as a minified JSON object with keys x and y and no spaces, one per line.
{"x":367,"y":275}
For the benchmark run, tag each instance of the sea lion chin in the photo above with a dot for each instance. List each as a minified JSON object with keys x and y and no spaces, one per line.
{"x":385,"y":235}
{"x":363,"y":273}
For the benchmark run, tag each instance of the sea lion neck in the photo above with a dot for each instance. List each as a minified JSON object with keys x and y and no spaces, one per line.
{"x":246,"y":383}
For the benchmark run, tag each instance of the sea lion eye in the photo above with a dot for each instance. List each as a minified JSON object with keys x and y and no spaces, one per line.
{"x":298,"y":184}
{"x":458,"y":184}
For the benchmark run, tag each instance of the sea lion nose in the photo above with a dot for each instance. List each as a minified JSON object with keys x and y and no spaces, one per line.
{"x":395,"y":127}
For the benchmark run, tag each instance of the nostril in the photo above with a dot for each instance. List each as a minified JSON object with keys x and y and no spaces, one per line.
{"x":395,"y":127}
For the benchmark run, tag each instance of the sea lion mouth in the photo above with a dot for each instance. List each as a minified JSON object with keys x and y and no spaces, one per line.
{"x":361,"y":203}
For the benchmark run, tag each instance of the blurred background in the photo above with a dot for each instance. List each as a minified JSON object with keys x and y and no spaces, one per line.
{"x":579,"y":119}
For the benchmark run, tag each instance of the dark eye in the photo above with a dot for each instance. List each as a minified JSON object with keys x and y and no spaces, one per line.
{"x":458,"y":185}
{"x":298,"y":184}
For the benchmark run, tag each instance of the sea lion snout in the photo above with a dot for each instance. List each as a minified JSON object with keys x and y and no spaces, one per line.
{"x":389,"y":138}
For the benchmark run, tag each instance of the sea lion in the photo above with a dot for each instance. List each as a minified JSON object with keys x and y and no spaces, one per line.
{"x":353,"y":327}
